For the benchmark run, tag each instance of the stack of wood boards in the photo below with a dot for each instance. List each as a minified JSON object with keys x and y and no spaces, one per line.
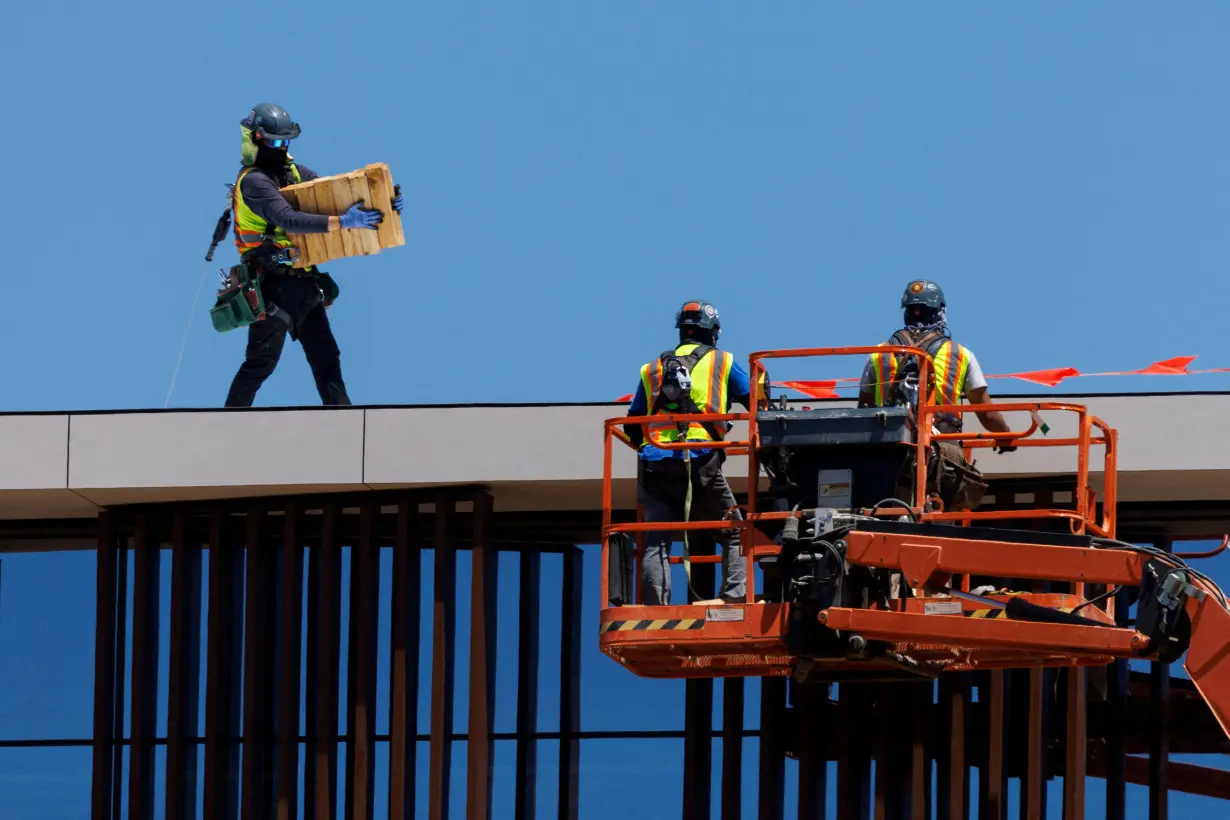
{"x":333,"y":196}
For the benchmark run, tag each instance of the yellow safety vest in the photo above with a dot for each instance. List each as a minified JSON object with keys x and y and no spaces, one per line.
{"x":949,"y":366}
{"x":250,"y":229}
{"x":709,"y":393}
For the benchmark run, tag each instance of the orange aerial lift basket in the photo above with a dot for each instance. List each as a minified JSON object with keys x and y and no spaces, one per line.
{"x":875,"y":563}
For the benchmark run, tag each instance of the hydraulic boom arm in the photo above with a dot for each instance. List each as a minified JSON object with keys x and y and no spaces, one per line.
{"x":1179,"y":609}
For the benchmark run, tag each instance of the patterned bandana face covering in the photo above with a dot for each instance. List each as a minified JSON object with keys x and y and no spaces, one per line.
{"x":940,"y":320}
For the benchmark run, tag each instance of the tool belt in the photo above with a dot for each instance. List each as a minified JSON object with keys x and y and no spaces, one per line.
{"x":241,"y":302}
{"x":957,"y":482}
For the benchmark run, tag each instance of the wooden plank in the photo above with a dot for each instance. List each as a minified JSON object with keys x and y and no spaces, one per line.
{"x":1034,"y":789}
{"x":480,"y":751}
{"x":106,"y":578}
{"x":367,"y":241}
{"x":222,"y":696}
{"x":952,"y":775}
{"x":771,"y":800}
{"x":526,"y":784}
{"x":342,"y":200}
{"x":334,"y":245}
{"x":184,"y":677}
{"x":311,"y":688}
{"x":404,"y":691}
{"x":853,"y":759}
{"x":698,"y":709}
{"x":311,"y":245}
{"x":380,"y":183}
{"x":145,"y":596}
{"x":732,"y":748}
{"x":570,"y":685}
{"x":812,"y":754}
{"x":918,"y":797}
{"x":444,"y":618}
{"x":256,"y":590}
{"x":290,"y":630}
{"x":1159,"y":741}
{"x":994,"y":799}
{"x":361,"y":692}
{"x":121,"y":647}
{"x":1076,"y":743}
{"x":328,"y":660}
{"x":1116,"y":725}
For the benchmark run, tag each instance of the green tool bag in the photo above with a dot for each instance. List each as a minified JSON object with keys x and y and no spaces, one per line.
{"x":240,"y":303}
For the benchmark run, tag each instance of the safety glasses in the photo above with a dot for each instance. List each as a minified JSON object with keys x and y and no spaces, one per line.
{"x":272,"y":143}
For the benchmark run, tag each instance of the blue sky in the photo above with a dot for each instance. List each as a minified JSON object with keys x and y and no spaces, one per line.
{"x":573,"y":172}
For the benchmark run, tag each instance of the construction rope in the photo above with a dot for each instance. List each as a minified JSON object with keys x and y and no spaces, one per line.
{"x":187,"y":328}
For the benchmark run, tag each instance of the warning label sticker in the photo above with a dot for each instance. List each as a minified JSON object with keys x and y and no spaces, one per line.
{"x":942,"y":607}
{"x":724,"y":613}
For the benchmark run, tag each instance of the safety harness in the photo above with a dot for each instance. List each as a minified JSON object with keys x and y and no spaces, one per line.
{"x":905,"y":374}
{"x":674,"y":395}
{"x":263,"y":247}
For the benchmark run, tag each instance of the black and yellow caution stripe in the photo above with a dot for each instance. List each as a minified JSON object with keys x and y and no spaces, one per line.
{"x":991,"y":612}
{"x":647,"y":624}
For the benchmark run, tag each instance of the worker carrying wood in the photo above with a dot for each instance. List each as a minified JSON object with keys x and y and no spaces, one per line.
{"x":292,"y":301}
{"x":687,"y":485}
{"x":892,"y":379}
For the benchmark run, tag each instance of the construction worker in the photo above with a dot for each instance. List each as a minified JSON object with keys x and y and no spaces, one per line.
{"x":693,"y":377}
{"x":955,"y":375}
{"x":296,"y":299}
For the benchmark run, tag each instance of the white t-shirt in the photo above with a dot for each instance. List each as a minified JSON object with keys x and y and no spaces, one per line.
{"x":974,"y":378}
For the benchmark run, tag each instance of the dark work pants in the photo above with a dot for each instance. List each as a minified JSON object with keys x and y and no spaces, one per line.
{"x":661,"y":490}
{"x":298,"y":299}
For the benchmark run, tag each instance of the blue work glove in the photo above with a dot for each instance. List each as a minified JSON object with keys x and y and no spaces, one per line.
{"x":358,"y":217}
{"x":398,"y":199}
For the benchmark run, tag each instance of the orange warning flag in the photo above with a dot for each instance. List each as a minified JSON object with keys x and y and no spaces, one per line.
{"x":1050,"y":378}
{"x":814,"y":389}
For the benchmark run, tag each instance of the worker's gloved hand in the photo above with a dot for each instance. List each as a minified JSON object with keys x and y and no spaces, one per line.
{"x":358,"y":217}
{"x":398,"y":200}
{"x":1005,"y":448}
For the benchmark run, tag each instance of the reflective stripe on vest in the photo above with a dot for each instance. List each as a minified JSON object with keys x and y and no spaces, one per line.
{"x":250,"y":229}
{"x":884,"y":368}
{"x":947,"y":375}
{"x":710,"y":384}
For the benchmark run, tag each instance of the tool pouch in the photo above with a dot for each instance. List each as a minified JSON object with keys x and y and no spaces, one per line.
{"x":240,"y":303}
{"x":327,"y":286}
{"x":959,"y":483}
{"x":619,"y":571}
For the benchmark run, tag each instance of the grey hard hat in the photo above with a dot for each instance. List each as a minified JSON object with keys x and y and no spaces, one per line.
{"x":698,"y":313}
{"x":923,"y":292}
{"x":271,"y":121}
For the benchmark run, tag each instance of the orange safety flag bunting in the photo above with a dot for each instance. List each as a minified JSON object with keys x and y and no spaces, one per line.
{"x":1176,"y":366}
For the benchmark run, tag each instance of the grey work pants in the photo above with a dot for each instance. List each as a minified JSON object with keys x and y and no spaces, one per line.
{"x":660,"y":490}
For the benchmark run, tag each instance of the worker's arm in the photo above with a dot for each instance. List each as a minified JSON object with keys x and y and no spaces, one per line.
{"x":638,"y":407}
{"x":262,"y":195}
{"x":306,"y":174}
{"x":739,"y":386}
{"x":992,"y":420}
{"x":867,"y":386}
{"x":976,"y":392}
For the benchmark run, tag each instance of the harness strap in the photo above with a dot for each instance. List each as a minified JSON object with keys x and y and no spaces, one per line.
{"x":687,"y":405}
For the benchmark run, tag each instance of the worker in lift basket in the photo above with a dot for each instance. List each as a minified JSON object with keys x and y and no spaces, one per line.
{"x":296,"y":299}
{"x":693,"y":377}
{"x":955,"y":375}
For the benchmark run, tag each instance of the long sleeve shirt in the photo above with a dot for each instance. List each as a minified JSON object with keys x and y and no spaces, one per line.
{"x":261,"y":194}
